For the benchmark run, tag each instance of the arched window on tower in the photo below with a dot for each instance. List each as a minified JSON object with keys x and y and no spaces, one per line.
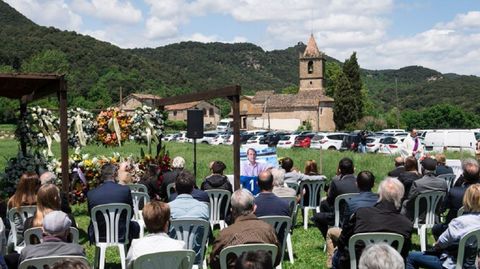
{"x":310,"y":67}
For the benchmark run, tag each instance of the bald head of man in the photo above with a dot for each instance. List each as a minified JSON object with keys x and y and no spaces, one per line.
{"x":265,"y":181}
{"x":399,"y":161}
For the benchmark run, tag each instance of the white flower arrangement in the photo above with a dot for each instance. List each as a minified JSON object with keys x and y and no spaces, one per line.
{"x":147,"y":124}
{"x":82,"y":127}
{"x":38,"y":127}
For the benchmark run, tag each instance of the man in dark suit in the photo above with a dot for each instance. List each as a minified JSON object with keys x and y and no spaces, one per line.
{"x":268,"y":204}
{"x":399,"y":167}
{"x":429,"y":182}
{"x":366,"y":198}
{"x":383,"y":217}
{"x":110,"y":192}
{"x":344,"y":182}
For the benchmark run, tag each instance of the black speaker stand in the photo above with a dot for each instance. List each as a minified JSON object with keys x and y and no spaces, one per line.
{"x":195,"y":158}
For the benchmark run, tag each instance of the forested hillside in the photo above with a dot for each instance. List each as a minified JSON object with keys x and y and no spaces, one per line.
{"x":97,"y":70}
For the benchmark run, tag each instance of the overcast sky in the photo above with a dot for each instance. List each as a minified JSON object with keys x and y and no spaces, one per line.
{"x":438,"y":34}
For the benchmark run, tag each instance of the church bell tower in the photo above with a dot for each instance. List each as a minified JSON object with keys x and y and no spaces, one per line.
{"x":312,"y":68}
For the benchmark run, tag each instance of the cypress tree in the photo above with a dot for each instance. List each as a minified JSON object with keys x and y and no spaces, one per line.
{"x":351,"y":69}
{"x":343,"y":113}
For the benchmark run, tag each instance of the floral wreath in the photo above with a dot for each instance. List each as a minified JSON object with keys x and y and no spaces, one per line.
{"x":147,"y":124}
{"x":113,"y":126}
{"x":16,"y":166}
{"x":82,"y":127}
{"x":37,"y":128}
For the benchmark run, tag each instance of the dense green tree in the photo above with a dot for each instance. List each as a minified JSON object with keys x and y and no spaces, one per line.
{"x":49,"y":61}
{"x":332,"y":71}
{"x":351,"y":69}
{"x":343,"y":113}
{"x":442,"y":116}
{"x":290,"y":90}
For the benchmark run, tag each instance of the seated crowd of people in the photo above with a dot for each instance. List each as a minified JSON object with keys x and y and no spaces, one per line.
{"x":390,"y":209}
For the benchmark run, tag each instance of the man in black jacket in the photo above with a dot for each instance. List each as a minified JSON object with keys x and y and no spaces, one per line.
{"x":344,"y":182}
{"x":399,"y":167}
{"x":383,"y":217}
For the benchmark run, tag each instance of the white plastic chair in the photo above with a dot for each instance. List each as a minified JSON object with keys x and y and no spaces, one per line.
{"x":38,"y":233}
{"x":137,"y":187}
{"x":217,"y":199}
{"x":231,"y":179}
{"x":13,"y":215}
{"x":111,"y":214}
{"x":3,"y":239}
{"x":315,"y":188}
{"x":188,"y":230}
{"x":341,"y":200}
{"x":292,"y":201}
{"x":465,"y":241}
{"x":280,"y":224}
{"x":431,"y":200}
{"x":49,"y":261}
{"x":170,"y":190}
{"x":293,"y":185}
{"x":177,"y":259}
{"x":239,"y":249}
{"x":449,"y":178}
{"x":139,"y":198}
{"x":372,"y":238}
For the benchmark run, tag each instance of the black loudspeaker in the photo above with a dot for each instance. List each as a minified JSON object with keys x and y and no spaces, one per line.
{"x":195,"y":123}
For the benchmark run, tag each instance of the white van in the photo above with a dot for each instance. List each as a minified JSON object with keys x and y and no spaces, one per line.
{"x":225,"y":125}
{"x":454,"y":140}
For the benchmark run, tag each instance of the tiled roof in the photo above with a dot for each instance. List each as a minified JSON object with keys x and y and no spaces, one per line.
{"x":312,"y":50}
{"x":146,"y":96}
{"x":183,"y":106}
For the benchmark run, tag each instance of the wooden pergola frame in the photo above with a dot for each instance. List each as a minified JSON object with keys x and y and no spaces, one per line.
{"x":233,"y":94}
{"x":29,"y":87}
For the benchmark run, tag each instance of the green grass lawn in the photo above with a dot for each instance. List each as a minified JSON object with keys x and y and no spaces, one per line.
{"x":307,"y":245}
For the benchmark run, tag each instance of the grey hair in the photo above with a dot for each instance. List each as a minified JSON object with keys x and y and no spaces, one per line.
{"x":242,"y":203}
{"x":469,"y":162}
{"x":278,"y":176}
{"x":380,"y":256}
{"x":392,"y":190}
{"x":47,"y":177}
{"x":108,"y":172}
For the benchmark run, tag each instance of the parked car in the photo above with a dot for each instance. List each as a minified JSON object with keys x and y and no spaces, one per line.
{"x":221,"y":139}
{"x":243,"y":138}
{"x":207,"y":138}
{"x":390,"y":145}
{"x":254,"y":140}
{"x":350,"y":142}
{"x":169,"y":137}
{"x":373,"y":143}
{"x":332,"y":141}
{"x":271,"y":139}
{"x":286,"y":141}
{"x":303,"y":141}
{"x":182,"y":137}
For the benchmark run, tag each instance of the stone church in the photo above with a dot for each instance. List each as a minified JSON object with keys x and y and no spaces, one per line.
{"x":268,"y":110}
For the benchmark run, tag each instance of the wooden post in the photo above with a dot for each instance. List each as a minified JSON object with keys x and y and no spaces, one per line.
{"x":23,"y":113}
{"x":62,"y":98}
{"x":236,"y":138}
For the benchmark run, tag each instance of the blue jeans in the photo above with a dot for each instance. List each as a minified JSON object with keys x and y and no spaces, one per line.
{"x":416,"y":259}
{"x":362,"y":148}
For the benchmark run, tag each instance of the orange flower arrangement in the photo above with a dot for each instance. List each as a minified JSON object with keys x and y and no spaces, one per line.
{"x":113,"y":126}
